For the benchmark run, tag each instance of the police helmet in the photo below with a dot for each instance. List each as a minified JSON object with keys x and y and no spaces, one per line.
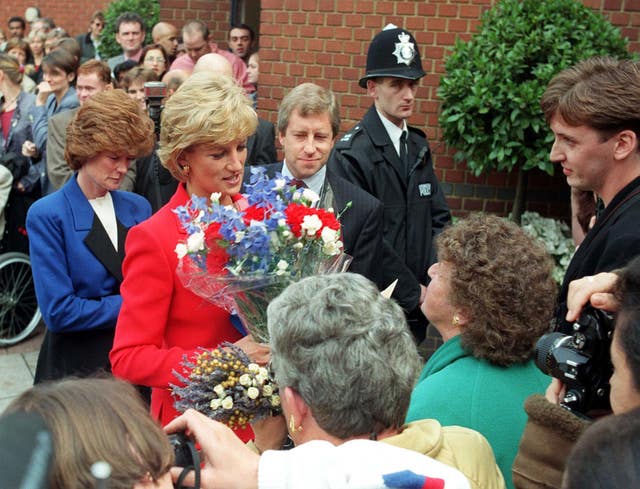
{"x":393,"y":52}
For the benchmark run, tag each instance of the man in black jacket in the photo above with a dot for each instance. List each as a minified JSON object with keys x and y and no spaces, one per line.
{"x":308,"y":125}
{"x":392,"y":161}
{"x":593,"y":109}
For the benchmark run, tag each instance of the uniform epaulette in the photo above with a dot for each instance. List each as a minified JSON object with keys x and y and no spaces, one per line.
{"x":417,"y":131}
{"x":346,"y":140}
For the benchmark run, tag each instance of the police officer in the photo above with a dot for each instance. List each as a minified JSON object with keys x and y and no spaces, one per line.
{"x":392,"y":161}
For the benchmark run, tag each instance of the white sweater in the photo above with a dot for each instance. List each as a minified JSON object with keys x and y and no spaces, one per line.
{"x":356,"y":464}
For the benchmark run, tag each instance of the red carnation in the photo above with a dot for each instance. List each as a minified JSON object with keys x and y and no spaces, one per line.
{"x":253,"y":213}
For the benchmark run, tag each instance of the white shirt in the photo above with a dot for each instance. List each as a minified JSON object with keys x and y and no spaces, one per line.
{"x":314,"y":182}
{"x":103,"y":207}
{"x":393,"y":131}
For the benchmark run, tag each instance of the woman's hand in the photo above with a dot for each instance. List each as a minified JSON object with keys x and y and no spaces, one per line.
{"x":555,"y":392}
{"x":29,"y":149}
{"x":44,"y":90}
{"x":270,"y":433}
{"x":227,"y":461}
{"x":598,"y":290}
{"x":259,"y":353}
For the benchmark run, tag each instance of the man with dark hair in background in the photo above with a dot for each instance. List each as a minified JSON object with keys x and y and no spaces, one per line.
{"x":241,"y":41}
{"x":17,"y":27}
{"x":130,"y":31}
{"x":90,"y":41}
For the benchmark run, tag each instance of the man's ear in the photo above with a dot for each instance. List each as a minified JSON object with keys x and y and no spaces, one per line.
{"x":281,"y":138}
{"x":371,"y":87}
{"x":626,"y":144}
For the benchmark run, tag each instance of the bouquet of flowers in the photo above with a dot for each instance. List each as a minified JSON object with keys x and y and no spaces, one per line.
{"x":226,"y":386}
{"x":240,"y":259}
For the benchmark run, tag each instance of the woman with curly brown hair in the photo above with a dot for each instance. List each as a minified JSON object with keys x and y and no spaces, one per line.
{"x":77,"y":234}
{"x":491,"y":297}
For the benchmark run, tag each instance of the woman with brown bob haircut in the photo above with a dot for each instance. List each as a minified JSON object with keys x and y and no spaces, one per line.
{"x":77,"y":235}
{"x":101,"y":419}
{"x":491,"y":296}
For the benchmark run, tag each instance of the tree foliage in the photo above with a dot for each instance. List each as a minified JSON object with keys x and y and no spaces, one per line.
{"x":149,"y":10}
{"x":493,"y":83}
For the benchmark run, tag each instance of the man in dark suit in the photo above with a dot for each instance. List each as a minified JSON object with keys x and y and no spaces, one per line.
{"x":308,"y":125}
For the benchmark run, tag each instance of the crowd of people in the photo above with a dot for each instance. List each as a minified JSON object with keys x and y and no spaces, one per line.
{"x":92,"y":182}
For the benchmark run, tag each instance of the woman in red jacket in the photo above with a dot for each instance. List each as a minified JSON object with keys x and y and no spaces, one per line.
{"x":205,"y":125}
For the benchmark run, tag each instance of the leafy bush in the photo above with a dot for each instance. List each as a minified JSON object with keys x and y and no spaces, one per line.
{"x":493,"y":83}
{"x":556,"y":237}
{"x":149,"y":10}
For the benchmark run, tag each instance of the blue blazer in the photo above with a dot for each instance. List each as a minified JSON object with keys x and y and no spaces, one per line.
{"x":77,"y":274}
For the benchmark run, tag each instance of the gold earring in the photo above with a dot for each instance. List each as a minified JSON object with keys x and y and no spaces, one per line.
{"x":456,"y":320}
{"x":292,"y":425}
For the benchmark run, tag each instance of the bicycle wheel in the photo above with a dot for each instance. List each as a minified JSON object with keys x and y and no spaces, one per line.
{"x":19,"y":312}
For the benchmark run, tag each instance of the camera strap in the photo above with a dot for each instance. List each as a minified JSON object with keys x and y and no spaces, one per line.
{"x":195,"y":456}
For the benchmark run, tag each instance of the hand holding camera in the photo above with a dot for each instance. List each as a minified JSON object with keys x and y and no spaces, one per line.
{"x":227,"y":461}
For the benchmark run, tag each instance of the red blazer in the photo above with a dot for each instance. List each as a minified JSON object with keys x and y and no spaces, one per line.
{"x":160,"y":320}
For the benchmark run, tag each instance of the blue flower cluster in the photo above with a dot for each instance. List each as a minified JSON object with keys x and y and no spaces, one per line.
{"x":256,"y":247}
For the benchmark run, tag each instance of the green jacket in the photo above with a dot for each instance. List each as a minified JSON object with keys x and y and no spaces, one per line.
{"x":457,"y":389}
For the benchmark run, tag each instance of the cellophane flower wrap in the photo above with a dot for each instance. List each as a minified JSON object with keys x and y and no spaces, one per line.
{"x":225,"y":385}
{"x":242,"y":259}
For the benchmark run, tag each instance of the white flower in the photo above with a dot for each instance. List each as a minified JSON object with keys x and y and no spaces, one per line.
{"x":227,"y":403}
{"x":239,"y":236}
{"x":298,"y":245}
{"x":310,"y":195}
{"x":267,"y":390}
{"x":329,"y":235}
{"x":252,"y":393}
{"x":219,"y":389}
{"x":311,"y":224}
{"x":253,"y":367}
{"x":215,"y":197}
{"x":181,"y":250}
{"x":279,"y":183}
{"x":245,"y":379}
{"x":275,"y":400}
{"x":332,"y":248}
{"x":215,"y":404}
{"x":282,"y":223}
{"x":282,"y":267}
{"x":195,"y":242}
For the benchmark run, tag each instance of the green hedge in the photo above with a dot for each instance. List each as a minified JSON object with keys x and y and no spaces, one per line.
{"x":493,"y":83}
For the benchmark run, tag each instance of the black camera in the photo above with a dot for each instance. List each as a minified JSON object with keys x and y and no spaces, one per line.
{"x":187,"y":457}
{"x":154,"y":93}
{"x":581,"y":360}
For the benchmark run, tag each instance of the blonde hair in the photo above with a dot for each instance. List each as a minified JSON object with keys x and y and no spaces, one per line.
{"x":97,"y":419}
{"x":207,"y":109}
{"x":108,"y":121}
{"x":11,"y":68}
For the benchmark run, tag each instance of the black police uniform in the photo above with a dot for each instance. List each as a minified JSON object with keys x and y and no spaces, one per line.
{"x":415,"y":209}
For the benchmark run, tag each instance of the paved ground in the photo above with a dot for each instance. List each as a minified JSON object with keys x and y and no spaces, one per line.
{"x":17,"y":366}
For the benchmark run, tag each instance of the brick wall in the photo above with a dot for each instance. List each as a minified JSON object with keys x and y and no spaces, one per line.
{"x":72,"y":15}
{"x":325,"y":41}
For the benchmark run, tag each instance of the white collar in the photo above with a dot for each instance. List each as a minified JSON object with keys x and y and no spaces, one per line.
{"x":393,"y":131}
{"x":314,"y":182}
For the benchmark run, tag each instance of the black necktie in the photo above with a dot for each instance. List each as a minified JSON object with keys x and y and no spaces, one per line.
{"x":403,"y":152}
